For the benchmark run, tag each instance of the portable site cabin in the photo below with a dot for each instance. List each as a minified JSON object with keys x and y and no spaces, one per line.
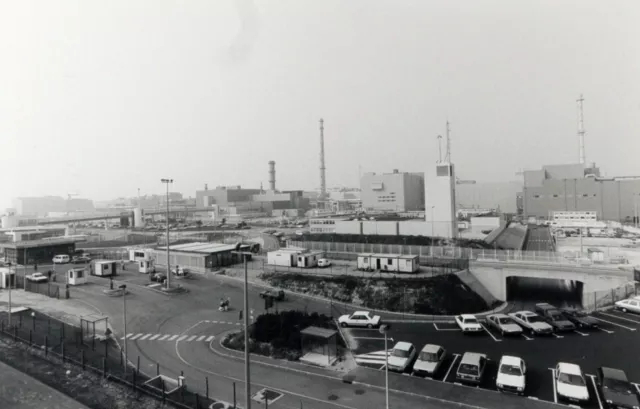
{"x":388,"y":262}
{"x":596,"y":255}
{"x":7,"y":278}
{"x":77,"y":276}
{"x":293,"y":257}
{"x":104,"y":268}
{"x":308,"y":260}
{"x":138,"y":254}
{"x":146,"y":266}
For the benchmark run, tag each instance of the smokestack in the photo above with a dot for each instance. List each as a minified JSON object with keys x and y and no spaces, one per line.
{"x":206,"y":186}
{"x":323,"y":180}
{"x":272,"y":175}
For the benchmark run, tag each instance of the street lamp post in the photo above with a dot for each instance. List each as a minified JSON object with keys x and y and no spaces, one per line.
{"x":168,"y":182}
{"x":247,"y":374}
{"x":12,"y":278}
{"x":33,"y":317}
{"x":383,"y":330}
{"x":635,"y":209}
{"x":123,"y":287}
{"x":433,"y":222}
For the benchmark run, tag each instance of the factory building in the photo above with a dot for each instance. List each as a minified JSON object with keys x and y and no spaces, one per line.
{"x":393,"y":192}
{"x":581,"y":188}
{"x":488,"y":195}
{"x":42,"y":206}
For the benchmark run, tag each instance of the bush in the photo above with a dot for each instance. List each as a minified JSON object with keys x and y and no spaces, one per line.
{"x":405,"y":240}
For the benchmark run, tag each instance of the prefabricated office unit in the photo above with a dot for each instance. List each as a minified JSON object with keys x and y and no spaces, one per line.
{"x":138,"y":254}
{"x":388,"y":262}
{"x":596,"y":255}
{"x":293,"y":257}
{"x":104,"y":268}
{"x":77,"y":276}
{"x":146,"y":266}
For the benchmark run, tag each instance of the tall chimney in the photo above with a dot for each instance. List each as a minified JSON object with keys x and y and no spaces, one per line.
{"x":206,"y":186}
{"x":272,"y":175}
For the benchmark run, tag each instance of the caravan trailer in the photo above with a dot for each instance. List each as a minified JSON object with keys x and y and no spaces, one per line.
{"x":388,"y":263}
{"x":104,"y":268}
{"x":294,"y":257}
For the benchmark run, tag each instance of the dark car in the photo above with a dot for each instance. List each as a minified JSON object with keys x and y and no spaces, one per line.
{"x":276,"y":295}
{"x":554,"y":317}
{"x":81,"y":260}
{"x":158,"y":277}
{"x":580,"y":318}
{"x":617,"y":391}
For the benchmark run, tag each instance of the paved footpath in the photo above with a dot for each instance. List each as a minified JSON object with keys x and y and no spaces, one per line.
{"x":20,"y":391}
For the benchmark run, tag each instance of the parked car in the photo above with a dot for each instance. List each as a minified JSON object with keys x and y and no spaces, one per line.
{"x":61,"y":259}
{"x":323,"y":262}
{"x":471,"y":368}
{"x":554,"y":317}
{"x":504,"y":324}
{"x":37,"y":278}
{"x":360,"y":319}
{"x":511,"y":375}
{"x":630,"y":305}
{"x":617,"y":391}
{"x":570,"y":383}
{"x":158,"y":277}
{"x":429,"y":360}
{"x":81,"y":260}
{"x":580,"y":318}
{"x":276,"y":295}
{"x":181,"y":271}
{"x":468,"y":323}
{"x":532,"y":322}
{"x":401,"y":356}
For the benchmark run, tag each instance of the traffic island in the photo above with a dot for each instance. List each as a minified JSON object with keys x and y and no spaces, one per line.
{"x":172,"y":290}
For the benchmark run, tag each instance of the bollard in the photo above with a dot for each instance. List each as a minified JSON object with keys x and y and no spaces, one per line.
{"x":138,"y":366}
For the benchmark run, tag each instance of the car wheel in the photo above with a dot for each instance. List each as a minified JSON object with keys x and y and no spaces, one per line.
{"x":624,"y":310}
{"x":343,"y":324}
{"x":369,"y":326}
{"x":532,"y":332}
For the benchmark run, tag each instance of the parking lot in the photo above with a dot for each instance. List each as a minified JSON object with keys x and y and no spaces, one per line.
{"x":612,"y":345}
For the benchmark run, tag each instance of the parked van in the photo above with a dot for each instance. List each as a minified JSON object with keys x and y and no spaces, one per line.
{"x":61,"y":259}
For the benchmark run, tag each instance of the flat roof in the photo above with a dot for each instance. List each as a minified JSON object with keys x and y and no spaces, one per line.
{"x":203,"y":248}
{"x":54,"y":241}
{"x":400,"y":256}
{"x":319,"y":332}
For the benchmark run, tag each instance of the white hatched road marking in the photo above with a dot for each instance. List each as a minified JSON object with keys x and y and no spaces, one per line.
{"x":154,"y":337}
{"x":191,"y":338}
{"x":200,"y":338}
{"x":605,"y":330}
{"x":135,"y":336}
{"x":595,"y":387}
{"x":160,"y":337}
{"x":209,"y":339}
{"x":614,"y":323}
{"x":455,"y":358}
{"x":173,"y":337}
{"x":527,"y":338}
{"x":182,"y":337}
{"x":581,"y":333}
{"x":164,"y":337}
{"x":145,"y":337}
{"x":620,"y":318}
{"x":490,"y":334}
{"x":553,"y":381}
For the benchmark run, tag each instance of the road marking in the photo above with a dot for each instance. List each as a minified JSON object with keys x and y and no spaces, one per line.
{"x":445,"y":329}
{"x":571,"y":405}
{"x":556,"y":335}
{"x":200,"y":338}
{"x":620,"y":318}
{"x":375,"y":338}
{"x":613,"y":323}
{"x":154,"y":337}
{"x":209,"y":339}
{"x":191,"y":338}
{"x":181,"y":338}
{"x":382,"y":367}
{"x":135,"y":336}
{"x":173,"y":337}
{"x":455,"y":358}
{"x":637,"y":387}
{"x":605,"y":330}
{"x":164,"y":337}
{"x":144,"y":337}
{"x":527,"y":338}
{"x":533,"y":397}
{"x":581,"y":333}
{"x":490,"y":334}
{"x":129,"y":335}
{"x":595,"y":387}
{"x":553,"y":380}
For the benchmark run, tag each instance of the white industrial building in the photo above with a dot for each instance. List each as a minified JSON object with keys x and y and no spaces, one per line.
{"x":394,"y":192}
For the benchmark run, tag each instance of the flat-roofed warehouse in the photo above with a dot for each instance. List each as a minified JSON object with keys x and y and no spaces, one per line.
{"x":38,"y":251}
{"x":201,"y":257}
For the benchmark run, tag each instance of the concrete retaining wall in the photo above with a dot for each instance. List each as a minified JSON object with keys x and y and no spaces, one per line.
{"x":475,"y":285}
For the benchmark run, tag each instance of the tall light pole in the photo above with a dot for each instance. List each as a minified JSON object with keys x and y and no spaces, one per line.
{"x":384,"y":328}
{"x":168,"y":182}
{"x":433,"y":222}
{"x":123,"y":287}
{"x":15,"y":274}
{"x":635,"y":209}
{"x":247,"y":374}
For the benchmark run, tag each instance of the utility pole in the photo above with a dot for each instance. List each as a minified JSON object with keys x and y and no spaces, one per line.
{"x":168,"y":182}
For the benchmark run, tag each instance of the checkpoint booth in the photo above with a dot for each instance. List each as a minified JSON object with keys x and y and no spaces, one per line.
{"x":7,"y":278}
{"x":104,"y":268}
{"x":77,"y":276}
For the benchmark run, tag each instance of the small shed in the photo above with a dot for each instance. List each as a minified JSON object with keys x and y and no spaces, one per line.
{"x":77,"y":276}
{"x":146,"y":266}
{"x":596,"y":255}
{"x":104,"y":268}
{"x":319,"y":346}
{"x":310,"y":259}
{"x":7,"y":278}
{"x":388,"y":262}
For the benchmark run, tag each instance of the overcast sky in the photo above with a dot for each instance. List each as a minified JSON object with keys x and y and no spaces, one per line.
{"x":103,"y":97}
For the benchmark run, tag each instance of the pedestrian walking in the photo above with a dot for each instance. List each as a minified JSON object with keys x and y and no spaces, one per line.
{"x":122,"y":265}
{"x":35,"y":266}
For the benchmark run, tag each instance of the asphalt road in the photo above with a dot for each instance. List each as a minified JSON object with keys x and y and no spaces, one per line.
{"x":611,"y":345}
{"x":539,"y":239}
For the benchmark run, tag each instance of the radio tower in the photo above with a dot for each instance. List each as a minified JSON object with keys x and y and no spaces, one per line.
{"x":323,"y":180}
{"x":581,"y":130}
{"x":447,"y":156}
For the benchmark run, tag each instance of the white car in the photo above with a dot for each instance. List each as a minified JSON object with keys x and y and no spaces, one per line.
{"x":429,"y":360}
{"x":360,"y":319}
{"x":37,"y":277}
{"x":401,"y":356}
{"x":468,"y":323}
{"x":511,"y":375}
{"x":61,"y":259}
{"x":632,"y":305}
{"x":532,"y":322}
{"x":504,"y":324}
{"x":570,"y":383}
{"x":323,"y":262}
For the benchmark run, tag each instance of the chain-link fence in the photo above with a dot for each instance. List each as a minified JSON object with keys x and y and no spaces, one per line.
{"x":592,"y":301}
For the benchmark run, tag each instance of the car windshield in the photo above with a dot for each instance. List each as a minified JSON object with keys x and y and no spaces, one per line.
{"x":571,"y":379}
{"x":400,"y":353}
{"x":618,"y":386}
{"x":510,"y":370}
{"x":428,"y":357}
{"x":533,"y":319}
{"x":470,"y":321}
{"x":556,"y":316}
{"x":505,"y":321}
{"x":468,"y":369}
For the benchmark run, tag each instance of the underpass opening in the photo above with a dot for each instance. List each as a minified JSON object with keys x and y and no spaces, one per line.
{"x":527,"y":291}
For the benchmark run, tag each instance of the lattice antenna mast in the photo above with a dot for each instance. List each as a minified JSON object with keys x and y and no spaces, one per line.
{"x":323,"y":181}
{"x":439,"y":148}
{"x":581,"y":130}
{"x":447,"y":157}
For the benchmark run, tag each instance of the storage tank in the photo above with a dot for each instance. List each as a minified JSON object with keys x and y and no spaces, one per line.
{"x":138,"y":219}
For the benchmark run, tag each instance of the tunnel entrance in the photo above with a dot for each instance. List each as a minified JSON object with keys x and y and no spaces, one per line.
{"x":527,"y":291}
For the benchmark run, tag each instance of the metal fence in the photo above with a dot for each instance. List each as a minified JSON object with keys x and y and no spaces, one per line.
{"x":592,"y":301}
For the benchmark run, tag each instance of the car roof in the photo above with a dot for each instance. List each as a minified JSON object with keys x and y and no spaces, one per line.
{"x":612,"y":373}
{"x":467,"y":316}
{"x":511,"y":360}
{"x":471,"y":358}
{"x":524,"y":312}
{"x":431,"y":348}
{"x":499,"y":315}
{"x":403,"y":346}
{"x":544,"y":305}
{"x":568,"y":368}
{"x":361,"y":312}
